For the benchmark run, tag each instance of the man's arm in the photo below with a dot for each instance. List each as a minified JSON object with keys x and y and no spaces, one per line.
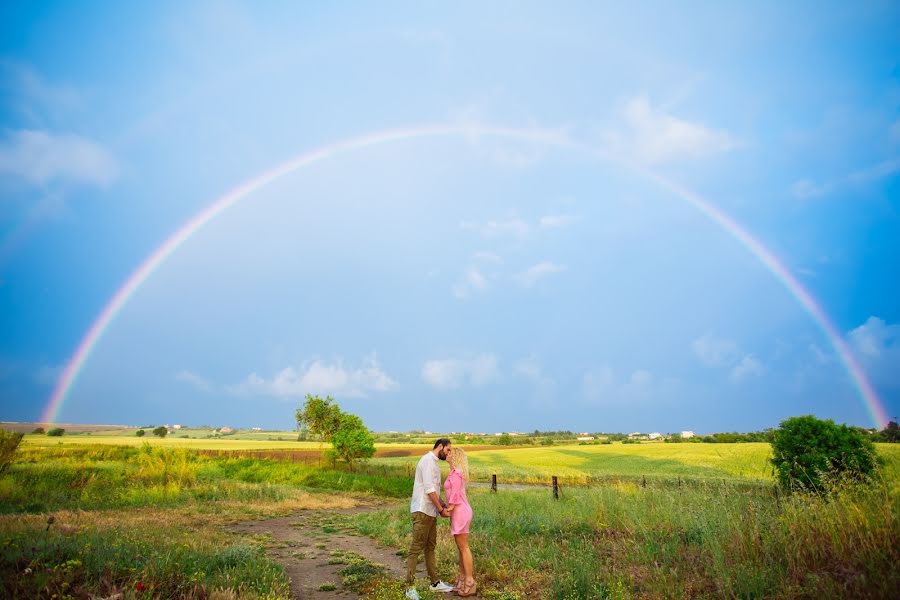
{"x":436,"y":500}
{"x":431,"y":492}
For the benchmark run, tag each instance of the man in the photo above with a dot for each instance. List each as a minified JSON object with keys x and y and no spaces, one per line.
{"x":425,"y":507}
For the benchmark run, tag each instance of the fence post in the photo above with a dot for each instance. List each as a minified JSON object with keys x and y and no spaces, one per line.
{"x":494,"y":482}
{"x":555,"y":488}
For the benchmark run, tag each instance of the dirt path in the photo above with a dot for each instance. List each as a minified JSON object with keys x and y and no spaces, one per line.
{"x":309,"y":543}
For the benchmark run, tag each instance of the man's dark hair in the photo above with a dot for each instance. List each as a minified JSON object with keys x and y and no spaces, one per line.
{"x":441,"y":442}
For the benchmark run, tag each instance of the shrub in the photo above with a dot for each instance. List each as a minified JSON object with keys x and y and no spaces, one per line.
{"x":39,"y":431}
{"x":140,"y":433}
{"x":808,"y":453}
{"x":547,"y":441}
{"x":353,"y":440}
{"x":505,"y":440}
{"x":56,"y":432}
{"x":9,"y":443}
{"x":160,"y":432}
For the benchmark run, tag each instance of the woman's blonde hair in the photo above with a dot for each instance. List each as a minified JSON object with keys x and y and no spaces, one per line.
{"x":459,"y":461}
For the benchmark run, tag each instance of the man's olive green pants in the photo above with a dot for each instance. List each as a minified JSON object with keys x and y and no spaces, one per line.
{"x":424,"y":537}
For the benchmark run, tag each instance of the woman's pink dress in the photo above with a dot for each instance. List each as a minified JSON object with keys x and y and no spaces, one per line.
{"x":455,"y":486}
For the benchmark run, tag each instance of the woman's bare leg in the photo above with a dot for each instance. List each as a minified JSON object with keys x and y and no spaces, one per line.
{"x":465,"y":557}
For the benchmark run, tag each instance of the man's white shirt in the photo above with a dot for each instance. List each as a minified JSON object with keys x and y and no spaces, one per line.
{"x":428,"y":479}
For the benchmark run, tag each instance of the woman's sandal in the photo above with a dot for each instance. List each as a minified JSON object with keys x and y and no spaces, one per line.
{"x":467,"y":591}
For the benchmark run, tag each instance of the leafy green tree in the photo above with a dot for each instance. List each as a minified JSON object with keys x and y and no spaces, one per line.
{"x":350,"y":439}
{"x":319,"y":417}
{"x":56,"y":432}
{"x":160,"y":432}
{"x":808,"y":453}
{"x":38,"y":431}
{"x":9,"y":443}
{"x":890,"y":434}
{"x":353,"y":440}
{"x":505,"y":440}
{"x":140,"y":433}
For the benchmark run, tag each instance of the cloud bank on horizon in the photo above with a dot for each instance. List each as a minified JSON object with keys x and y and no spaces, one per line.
{"x":453,"y":284}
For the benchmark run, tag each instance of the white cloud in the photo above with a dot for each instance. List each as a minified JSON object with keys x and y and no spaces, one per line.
{"x":641,"y":377}
{"x":601,"y":385}
{"x":319,"y":377}
{"x":516,"y":226}
{"x":535,"y":273}
{"x":471,"y":282}
{"x":715,"y":352}
{"x":197,"y":381}
{"x":724,"y":353}
{"x":875,"y":338}
{"x":748,"y":367}
{"x":805,"y":189}
{"x":36,"y":99}
{"x":877,"y":345}
{"x":655,"y":137}
{"x":513,"y":226}
{"x":544,"y":386}
{"x":488,"y":257}
{"x":40,"y":157}
{"x":452,"y":373}
{"x":555,"y":221}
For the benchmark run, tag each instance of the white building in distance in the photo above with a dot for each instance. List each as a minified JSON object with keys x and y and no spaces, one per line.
{"x":655,"y":436}
{"x":687,"y":434}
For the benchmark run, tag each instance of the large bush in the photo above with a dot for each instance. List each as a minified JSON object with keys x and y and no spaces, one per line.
{"x":9,"y":443}
{"x":809,"y":453}
{"x":160,"y":432}
{"x":56,"y":432}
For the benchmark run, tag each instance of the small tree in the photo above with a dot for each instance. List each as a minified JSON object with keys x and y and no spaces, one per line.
{"x":809,"y":452}
{"x":9,"y":443}
{"x":353,"y":440}
{"x":505,"y":440}
{"x":140,"y":433}
{"x":320,"y":417}
{"x":160,"y":432}
{"x":56,"y":432}
{"x":38,"y":431}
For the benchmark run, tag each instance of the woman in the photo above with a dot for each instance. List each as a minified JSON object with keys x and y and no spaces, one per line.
{"x":460,"y":518}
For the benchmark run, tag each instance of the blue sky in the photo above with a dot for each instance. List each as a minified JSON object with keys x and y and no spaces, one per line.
{"x":462,"y":282}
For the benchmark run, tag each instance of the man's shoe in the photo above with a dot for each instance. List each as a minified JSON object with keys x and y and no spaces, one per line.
{"x":441,"y":586}
{"x":412,"y":594}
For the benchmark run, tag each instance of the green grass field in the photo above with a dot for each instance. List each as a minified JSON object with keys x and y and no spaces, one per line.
{"x":174,"y":441}
{"x":153,"y":511}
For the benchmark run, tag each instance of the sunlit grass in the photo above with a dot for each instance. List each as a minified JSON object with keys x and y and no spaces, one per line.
{"x":174,"y":441}
{"x":626,"y":541}
{"x":581,"y":465}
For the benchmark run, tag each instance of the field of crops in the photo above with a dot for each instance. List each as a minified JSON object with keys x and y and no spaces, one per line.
{"x":580,"y":465}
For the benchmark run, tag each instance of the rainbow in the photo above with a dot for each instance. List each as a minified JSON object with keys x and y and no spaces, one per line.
{"x":472,"y":132}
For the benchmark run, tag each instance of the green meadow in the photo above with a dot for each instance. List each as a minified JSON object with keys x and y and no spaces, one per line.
{"x":83,"y":519}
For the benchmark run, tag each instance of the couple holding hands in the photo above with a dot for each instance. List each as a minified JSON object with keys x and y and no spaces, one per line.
{"x":427,"y":505}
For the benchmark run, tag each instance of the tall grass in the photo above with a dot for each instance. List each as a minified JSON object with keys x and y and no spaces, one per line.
{"x":98,"y":477}
{"x":626,"y":541}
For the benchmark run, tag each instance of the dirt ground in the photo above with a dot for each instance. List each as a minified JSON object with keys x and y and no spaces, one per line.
{"x":304,"y":544}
